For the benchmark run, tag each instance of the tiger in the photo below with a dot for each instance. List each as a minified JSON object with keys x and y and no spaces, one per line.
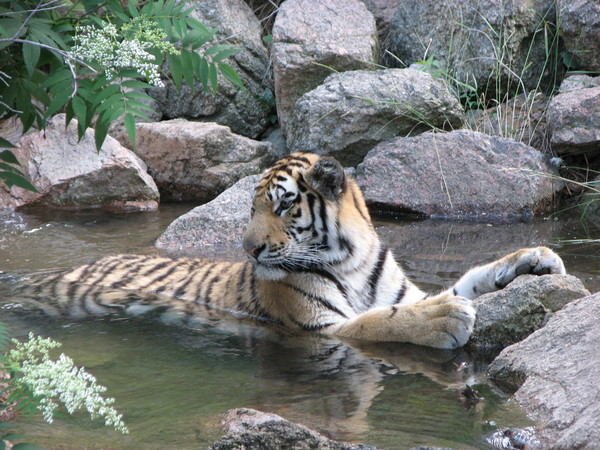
{"x":314,"y":264}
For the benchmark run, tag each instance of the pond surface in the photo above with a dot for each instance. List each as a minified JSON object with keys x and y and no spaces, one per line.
{"x":172,"y":385}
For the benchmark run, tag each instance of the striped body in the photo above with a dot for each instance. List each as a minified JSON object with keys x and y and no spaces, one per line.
{"x":316,"y":264}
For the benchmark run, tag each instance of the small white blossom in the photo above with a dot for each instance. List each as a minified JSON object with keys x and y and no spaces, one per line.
{"x":128,"y":48}
{"x":61,"y":381}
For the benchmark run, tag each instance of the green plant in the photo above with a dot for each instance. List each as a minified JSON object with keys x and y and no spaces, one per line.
{"x":39,"y":383}
{"x":95,"y":59}
{"x":9,"y":174}
{"x":508,"y":104}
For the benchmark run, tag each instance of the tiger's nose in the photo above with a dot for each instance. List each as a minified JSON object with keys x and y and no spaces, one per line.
{"x":255,"y":251}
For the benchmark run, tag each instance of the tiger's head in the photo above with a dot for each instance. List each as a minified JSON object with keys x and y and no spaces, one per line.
{"x":306,"y":215}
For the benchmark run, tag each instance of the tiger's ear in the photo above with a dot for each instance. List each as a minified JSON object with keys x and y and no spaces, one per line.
{"x":327,"y":176}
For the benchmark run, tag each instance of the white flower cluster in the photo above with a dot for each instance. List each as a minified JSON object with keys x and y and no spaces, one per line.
{"x":113,"y":51}
{"x":61,"y":381}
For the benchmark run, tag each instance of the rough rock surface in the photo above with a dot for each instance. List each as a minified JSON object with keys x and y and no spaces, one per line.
{"x":252,"y":429}
{"x":574,"y":121}
{"x":71,"y":173}
{"x":311,"y":40}
{"x":457,"y":174}
{"x":579,"y":25}
{"x":352,"y":111}
{"x":525,"y":305}
{"x":579,"y":81}
{"x":198,"y":160}
{"x":240,"y":109}
{"x":467,"y":37}
{"x":221,"y":222}
{"x":555,"y":374}
{"x":523,"y":118}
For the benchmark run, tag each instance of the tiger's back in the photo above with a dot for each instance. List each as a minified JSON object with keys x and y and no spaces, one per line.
{"x":315,"y":264}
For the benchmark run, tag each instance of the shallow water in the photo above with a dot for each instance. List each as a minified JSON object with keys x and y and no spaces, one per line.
{"x":172,"y":385}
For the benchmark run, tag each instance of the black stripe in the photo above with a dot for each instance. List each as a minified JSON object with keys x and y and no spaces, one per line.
{"x":161,"y":277}
{"x":211,"y":283}
{"x":200,"y":284}
{"x":323,"y":212}
{"x":191,"y":277}
{"x":318,"y":299}
{"x":402,"y":291}
{"x":131,"y":274}
{"x":375,"y":275}
{"x":323,"y":273}
{"x":310,"y":327}
{"x":357,"y":206}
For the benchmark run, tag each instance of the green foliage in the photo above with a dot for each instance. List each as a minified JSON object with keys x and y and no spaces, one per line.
{"x":9,"y":174}
{"x":39,"y":383}
{"x":95,"y":59}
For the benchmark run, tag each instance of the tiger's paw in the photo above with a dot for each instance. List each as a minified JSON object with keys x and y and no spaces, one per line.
{"x":534,"y":261}
{"x":448,"y":320}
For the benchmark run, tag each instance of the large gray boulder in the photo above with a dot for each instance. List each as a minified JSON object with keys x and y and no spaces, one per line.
{"x":71,"y":173}
{"x":574,"y":121}
{"x":555,"y":374}
{"x":525,"y":305}
{"x":352,"y":111}
{"x":219,"y":223}
{"x":458,"y":174}
{"x":579,"y":25}
{"x":480,"y":43}
{"x":251,"y":429}
{"x":312,"y":40}
{"x":240,"y":109}
{"x":198,"y":160}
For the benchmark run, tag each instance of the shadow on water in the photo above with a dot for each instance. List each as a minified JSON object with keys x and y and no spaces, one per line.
{"x":172,"y":384}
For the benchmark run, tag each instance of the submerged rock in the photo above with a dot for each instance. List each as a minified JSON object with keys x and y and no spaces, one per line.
{"x":555,"y":374}
{"x":71,"y":173}
{"x":458,"y":174}
{"x":252,"y":429}
{"x":352,"y":111}
{"x":525,"y":305}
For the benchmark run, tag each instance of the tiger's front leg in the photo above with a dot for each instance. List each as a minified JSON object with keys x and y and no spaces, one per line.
{"x":443,"y":321}
{"x":496,"y":275}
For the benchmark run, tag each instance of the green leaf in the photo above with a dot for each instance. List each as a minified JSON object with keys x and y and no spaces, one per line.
{"x":135,"y":84}
{"x":129,"y":122}
{"x":268,"y":39}
{"x":31,"y":56}
{"x":58,"y":102}
{"x":100,"y":133}
{"x":176,"y":70}
{"x":213,"y":77}
{"x":217,"y":48}
{"x":7,"y":155}
{"x":231,"y":75}
{"x":58,"y":76}
{"x":203,"y":72}
{"x":13,"y":179}
{"x":80,"y":109}
{"x":8,"y":168}
{"x":187,"y":67}
{"x":224,"y":54}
